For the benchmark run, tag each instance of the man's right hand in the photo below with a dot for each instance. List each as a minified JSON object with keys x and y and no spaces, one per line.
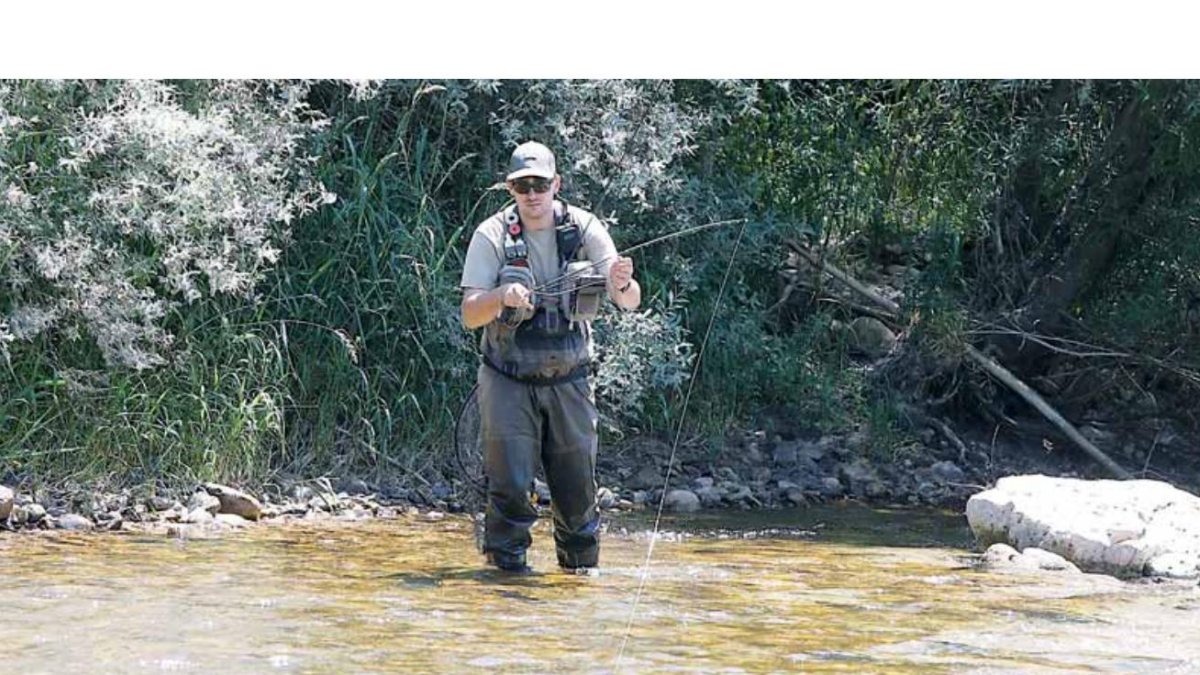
{"x":516,"y":296}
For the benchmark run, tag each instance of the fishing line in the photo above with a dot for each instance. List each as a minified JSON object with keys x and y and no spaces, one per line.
{"x":675,"y":447}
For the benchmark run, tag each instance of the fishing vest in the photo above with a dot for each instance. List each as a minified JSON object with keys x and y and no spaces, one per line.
{"x":547,"y":347}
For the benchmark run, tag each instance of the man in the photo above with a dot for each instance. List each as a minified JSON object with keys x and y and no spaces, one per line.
{"x":535,"y":400}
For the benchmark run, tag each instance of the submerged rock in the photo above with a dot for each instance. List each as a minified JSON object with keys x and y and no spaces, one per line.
{"x":1002,"y":557}
{"x":1125,"y":528}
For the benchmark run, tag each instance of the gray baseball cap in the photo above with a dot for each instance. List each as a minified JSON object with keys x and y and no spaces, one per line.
{"x":531,"y":159}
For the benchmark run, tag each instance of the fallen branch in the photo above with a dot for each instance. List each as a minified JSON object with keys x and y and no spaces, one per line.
{"x":1001,"y":373}
{"x":991,"y":366}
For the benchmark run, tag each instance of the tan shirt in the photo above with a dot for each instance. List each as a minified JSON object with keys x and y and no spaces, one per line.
{"x":485,"y":255}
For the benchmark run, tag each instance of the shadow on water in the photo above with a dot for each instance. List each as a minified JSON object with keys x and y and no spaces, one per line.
{"x":843,"y":523}
{"x":478,"y":575}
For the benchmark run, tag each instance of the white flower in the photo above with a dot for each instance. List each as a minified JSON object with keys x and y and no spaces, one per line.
{"x":28,"y":321}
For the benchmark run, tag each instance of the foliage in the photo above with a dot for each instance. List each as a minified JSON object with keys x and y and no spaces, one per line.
{"x":182,"y":294}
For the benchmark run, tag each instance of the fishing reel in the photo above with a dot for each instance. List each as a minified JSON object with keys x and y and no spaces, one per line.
{"x":584,"y":291}
{"x":515,"y":274}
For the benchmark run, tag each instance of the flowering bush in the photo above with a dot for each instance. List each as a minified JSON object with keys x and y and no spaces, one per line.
{"x":122,"y":199}
{"x":639,"y":353}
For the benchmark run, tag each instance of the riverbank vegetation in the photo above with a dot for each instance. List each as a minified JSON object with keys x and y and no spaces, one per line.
{"x":228,"y":281}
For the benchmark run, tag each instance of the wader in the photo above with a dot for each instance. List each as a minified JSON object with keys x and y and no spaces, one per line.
{"x":522,"y":424}
{"x":536,"y":405}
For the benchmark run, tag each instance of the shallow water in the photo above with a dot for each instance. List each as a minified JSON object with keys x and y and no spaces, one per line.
{"x":837,"y":589}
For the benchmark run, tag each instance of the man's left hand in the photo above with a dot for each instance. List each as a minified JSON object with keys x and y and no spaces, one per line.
{"x":621,"y":273}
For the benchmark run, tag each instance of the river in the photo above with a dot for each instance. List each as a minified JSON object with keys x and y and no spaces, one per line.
{"x":824,"y":589}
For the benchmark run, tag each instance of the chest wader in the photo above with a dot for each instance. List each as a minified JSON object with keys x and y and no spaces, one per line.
{"x":535,"y":404}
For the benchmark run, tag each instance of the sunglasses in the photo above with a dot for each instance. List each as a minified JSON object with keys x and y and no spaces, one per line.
{"x":522,"y":186}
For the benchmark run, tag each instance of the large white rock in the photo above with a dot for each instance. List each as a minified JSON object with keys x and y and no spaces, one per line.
{"x":6,"y":502}
{"x":1125,"y":528}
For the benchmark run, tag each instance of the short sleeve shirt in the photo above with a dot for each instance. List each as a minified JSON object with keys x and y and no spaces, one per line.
{"x":485,"y":255}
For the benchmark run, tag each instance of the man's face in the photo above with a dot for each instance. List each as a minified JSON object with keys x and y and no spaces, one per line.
{"x":534,"y":195}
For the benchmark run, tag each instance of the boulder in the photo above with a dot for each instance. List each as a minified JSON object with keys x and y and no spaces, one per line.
{"x":1124,"y":528}
{"x":235,"y":501}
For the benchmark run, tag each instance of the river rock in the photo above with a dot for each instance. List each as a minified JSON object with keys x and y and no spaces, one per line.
{"x":862,"y":479}
{"x":230,"y":520}
{"x":727,"y":474}
{"x":1002,"y":557}
{"x":198,"y":516}
{"x":871,"y":336}
{"x":235,"y":501}
{"x":605,"y":498}
{"x":357,"y":486}
{"x":741,"y":494}
{"x":74,"y":522}
{"x":647,"y":477}
{"x":681,"y":501}
{"x":831,"y":487}
{"x":34,"y":513}
{"x":1124,"y":528}
{"x":710,"y":496}
{"x":202,"y":500}
{"x":786,"y":453}
{"x":790,"y":492}
{"x":947,"y":472}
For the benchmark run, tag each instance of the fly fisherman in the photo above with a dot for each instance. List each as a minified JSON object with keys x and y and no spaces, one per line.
{"x":534,"y":277}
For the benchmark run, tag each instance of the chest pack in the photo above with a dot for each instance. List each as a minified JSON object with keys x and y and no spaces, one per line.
{"x":577,"y":293}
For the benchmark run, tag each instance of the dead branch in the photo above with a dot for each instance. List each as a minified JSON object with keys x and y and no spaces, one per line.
{"x":845,"y":278}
